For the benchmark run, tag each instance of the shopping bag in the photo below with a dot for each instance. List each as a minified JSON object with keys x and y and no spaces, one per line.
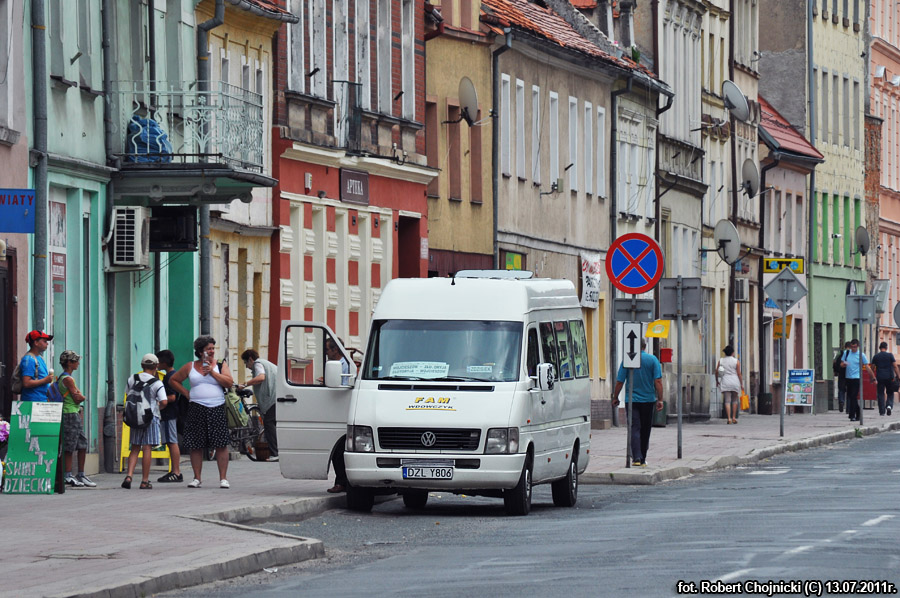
{"x":745,"y":401}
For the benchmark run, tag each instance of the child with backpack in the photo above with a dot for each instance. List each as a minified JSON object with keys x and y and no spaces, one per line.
{"x":144,"y":396}
{"x":74,"y":439}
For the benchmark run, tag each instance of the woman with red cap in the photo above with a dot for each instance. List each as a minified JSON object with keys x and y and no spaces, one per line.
{"x":36,"y":378}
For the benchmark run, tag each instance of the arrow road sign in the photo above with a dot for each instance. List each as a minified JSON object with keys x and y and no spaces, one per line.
{"x":632,"y":358}
{"x":634,"y":263}
{"x":786,"y":290}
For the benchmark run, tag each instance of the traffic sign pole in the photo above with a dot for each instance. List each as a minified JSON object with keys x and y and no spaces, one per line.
{"x":783,"y":356}
{"x":680,"y":302}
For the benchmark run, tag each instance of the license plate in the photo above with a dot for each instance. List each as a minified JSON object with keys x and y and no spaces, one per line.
{"x":428,"y":473}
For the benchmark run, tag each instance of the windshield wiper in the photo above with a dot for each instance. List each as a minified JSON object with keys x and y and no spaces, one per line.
{"x":409,"y":378}
{"x":458,"y":379}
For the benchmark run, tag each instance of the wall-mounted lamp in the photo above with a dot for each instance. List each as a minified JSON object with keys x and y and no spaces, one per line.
{"x":375,"y":221}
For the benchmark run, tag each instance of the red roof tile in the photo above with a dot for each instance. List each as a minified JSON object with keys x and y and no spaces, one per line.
{"x":546,"y":23}
{"x":584,"y":4}
{"x":784,"y":133}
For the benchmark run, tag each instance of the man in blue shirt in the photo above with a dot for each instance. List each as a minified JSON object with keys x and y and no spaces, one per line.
{"x":646,"y":390}
{"x":854,"y":361}
{"x":36,"y":378}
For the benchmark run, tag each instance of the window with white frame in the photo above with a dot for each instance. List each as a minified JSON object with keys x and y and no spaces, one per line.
{"x":85,"y":14}
{"x":505,"y":119}
{"x":224,"y":64}
{"x":520,"y":129}
{"x":245,"y":73}
{"x":6,"y":83}
{"x":340,"y":43}
{"x":536,"y":134}
{"x":572,"y":166}
{"x":588,"y":148}
{"x":601,"y":151}
{"x":261,"y":81}
{"x":318,"y":53}
{"x":554,"y":137}
{"x":384,"y":56}
{"x":857,"y":128}
{"x":363,"y":52}
{"x":297,"y":49}
{"x":408,"y":58}
{"x":848,"y":135}
{"x":648,"y":180}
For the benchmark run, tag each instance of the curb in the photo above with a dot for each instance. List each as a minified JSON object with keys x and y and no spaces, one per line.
{"x":673,"y":472}
{"x":302,"y":550}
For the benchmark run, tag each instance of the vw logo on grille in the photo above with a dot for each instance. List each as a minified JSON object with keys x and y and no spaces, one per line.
{"x":428,"y":439}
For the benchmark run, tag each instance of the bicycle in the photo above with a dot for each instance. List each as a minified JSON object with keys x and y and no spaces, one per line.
{"x":244,"y":439}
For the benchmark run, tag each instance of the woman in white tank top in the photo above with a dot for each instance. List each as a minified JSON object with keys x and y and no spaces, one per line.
{"x":206,"y":425}
{"x":731,"y":383}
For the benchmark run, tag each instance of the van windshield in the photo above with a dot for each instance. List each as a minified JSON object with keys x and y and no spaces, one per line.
{"x":444,"y":350}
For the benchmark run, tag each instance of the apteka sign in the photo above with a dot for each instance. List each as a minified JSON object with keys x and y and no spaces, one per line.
{"x":17,"y":211}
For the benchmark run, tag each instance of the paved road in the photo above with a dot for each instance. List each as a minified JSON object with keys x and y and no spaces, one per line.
{"x":826,"y":514}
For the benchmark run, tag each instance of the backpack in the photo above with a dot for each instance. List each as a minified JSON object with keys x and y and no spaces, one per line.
{"x":234,"y":410}
{"x":138,"y":413}
{"x":836,"y":364}
{"x":54,"y":394}
{"x":15,"y":383}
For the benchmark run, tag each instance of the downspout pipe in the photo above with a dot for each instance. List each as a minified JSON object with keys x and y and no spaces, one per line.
{"x":613,"y":215}
{"x":203,"y":30}
{"x":157,"y":283}
{"x":39,"y":157}
{"x":734,"y":178}
{"x":811,"y":194}
{"x":763,"y":339}
{"x":109,"y":412}
{"x":495,"y":137}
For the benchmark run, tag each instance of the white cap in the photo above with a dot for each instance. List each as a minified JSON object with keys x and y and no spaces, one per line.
{"x":149,"y":359}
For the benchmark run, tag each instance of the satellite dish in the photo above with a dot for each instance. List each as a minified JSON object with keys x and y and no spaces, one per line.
{"x":728,"y":244}
{"x":468,"y":100}
{"x":735,"y":100}
{"x":750,"y":178}
{"x":862,"y":240}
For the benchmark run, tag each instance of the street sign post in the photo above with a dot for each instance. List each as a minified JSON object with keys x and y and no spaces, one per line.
{"x":862,"y":310}
{"x":785,"y":290}
{"x":634,"y":264}
{"x":680,"y":299}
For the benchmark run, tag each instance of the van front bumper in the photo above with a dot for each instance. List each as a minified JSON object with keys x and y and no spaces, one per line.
{"x":385,"y":470}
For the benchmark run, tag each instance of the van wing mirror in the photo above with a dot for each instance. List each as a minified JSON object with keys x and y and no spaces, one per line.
{"x":546,"y":376}
{"x":334,"y":377}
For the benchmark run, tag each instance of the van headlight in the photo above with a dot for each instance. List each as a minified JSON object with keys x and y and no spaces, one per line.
{"x":502,"y":441}
{"x":360,"y":439}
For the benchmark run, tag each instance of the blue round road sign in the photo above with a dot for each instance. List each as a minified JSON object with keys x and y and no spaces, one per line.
{"x":634,"y":263}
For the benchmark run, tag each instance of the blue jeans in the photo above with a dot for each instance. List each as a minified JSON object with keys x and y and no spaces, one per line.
{"x":882,"y":391}
{"x":842,"y":392}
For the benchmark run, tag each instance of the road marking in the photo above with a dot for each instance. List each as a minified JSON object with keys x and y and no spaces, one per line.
{"x":770,"y":471}
{"x":734,"y":575}
{"x":878,"y":520}
{"x":798,"y":550}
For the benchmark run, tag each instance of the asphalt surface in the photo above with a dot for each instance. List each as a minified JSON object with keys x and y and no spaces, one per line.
{"x":826,"y":516}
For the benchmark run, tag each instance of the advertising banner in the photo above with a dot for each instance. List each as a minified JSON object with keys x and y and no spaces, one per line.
{"x":17,"y":211}
{"x":32,"y":459}
{"x":591,"y":267}
{"x":799,"y":391}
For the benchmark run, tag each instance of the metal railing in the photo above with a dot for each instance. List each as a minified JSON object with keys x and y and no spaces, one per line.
{"x":224,"y":125}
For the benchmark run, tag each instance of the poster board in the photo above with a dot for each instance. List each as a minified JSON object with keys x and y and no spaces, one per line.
{"x":799,"y":390}
{"x":32,"y":460}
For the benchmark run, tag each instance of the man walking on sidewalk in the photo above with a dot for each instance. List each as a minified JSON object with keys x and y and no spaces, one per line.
{"x":854,"y":361}
{"x":647,"y":389}
{"x":886,"y":370}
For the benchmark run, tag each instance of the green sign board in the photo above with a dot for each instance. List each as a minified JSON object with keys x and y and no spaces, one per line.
{"x":32,"y":460}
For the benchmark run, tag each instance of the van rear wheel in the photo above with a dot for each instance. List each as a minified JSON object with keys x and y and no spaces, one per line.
{"x":565,"y":491}
{"x":518,"y":500}
{"x":415,"y":499}
{"x":360,"y":499}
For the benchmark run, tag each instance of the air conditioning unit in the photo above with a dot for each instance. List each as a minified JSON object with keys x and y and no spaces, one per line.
{"x":131,"y":238}
{"x":741,"y":292}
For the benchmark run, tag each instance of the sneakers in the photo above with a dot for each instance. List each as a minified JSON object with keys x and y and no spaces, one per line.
{"x":224,"y":484}
{"x":637,"y":463}
{"x":171,"y":477}
{"x":75,"y":482}
{"x":194,"y":484}
{"x":85,"y":481}
{"x":275,"y":458}
{"x":888,"y":409}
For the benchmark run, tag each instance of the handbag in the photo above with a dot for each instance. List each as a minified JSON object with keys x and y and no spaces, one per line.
{"x":893,"y":385}
{"x":745,"y":401}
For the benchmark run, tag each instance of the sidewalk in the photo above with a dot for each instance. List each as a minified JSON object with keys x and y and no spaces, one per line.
{"x":107,"y":541}
{"x":715,"y":444}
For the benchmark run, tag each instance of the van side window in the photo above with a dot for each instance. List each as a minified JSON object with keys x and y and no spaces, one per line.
{"x":548,"y":345}
{"x":533,"y":357}
{"x":564,"y":346}
{"x":576,"y":330}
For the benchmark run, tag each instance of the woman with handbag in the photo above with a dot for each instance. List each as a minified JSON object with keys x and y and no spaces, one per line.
{"x":730,"y":382}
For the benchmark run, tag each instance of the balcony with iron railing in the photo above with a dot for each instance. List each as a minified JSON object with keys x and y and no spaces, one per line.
{"x":166,"y":135}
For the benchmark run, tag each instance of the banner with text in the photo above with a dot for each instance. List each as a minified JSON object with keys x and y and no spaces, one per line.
{"x":33,"y":456}
{"x":591,"y":267}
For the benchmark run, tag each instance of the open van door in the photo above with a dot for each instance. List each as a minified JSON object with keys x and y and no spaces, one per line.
{"x":312,"y":415}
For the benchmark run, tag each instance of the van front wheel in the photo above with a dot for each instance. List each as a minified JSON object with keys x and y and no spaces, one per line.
{"x":518,"y":500}
{"x":565,"y":491}
{"x":360,"y":499}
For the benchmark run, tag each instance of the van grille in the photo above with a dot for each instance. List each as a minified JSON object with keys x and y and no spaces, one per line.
{"x":461,"y":439}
